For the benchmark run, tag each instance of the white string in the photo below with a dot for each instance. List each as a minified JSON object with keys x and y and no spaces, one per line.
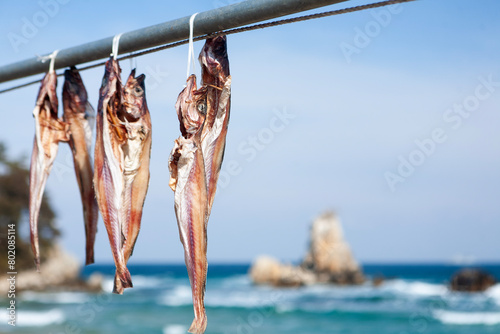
{"x":191,"y":48}
{"x":114,"y":48}
{"x":51,"y":57}
{"x":133,"y":62}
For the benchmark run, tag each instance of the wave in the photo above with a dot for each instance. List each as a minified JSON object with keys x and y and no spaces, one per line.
{"x":38,"y":319}
{"x":174,"y":329}
{"x":236,"y":281}
{"x":415,"y":288}
{"x":55,"y":297}
{"x":397,"y":296}
{"x":238,"y":299}
{"x":218,"y":297}
{"x":141,"y":282}
{"x":467,"y":318}
{"x":179,"y":296}
{"x":494,"y":293}
{"x":147,"y":281}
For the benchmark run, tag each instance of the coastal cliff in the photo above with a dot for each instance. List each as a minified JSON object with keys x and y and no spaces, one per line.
{"x":328,"y":260}
{"x":60,"y":271}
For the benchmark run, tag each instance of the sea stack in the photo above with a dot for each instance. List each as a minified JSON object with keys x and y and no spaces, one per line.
{"x":329,"y":255}
{"x":472,"y":280}
{"x":328,"y":260}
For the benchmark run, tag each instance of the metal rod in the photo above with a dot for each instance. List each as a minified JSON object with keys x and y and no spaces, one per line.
{"x":231,"y":16}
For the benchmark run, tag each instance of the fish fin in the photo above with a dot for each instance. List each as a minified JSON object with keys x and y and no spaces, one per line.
{"x":199,"y":325}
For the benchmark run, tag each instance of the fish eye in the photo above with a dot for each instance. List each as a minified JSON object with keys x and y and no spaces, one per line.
{"x":202,"y":107}
{"x":138,"y":90}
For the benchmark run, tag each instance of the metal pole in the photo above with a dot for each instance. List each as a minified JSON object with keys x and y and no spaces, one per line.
{"x":228,"y":17}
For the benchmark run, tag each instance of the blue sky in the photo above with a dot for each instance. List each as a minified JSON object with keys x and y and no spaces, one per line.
{"x":312,"y":128}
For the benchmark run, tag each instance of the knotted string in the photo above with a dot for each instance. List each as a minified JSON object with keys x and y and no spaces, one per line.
{"x":191,"y":60}
{"x":133,"y":62}
{"x":51,"y":57}
{"x":116,"y":44}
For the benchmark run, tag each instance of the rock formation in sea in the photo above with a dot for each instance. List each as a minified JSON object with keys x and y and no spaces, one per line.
{"x":471,"y":280}
{"x":60,"y":271}
{"x":328,"y":260}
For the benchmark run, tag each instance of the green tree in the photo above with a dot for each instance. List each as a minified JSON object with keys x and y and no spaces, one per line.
{"x":14,"y":209}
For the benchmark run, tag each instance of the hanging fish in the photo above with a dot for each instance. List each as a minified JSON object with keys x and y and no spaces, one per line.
{"x":109,"y":165}
{"x":80,"y":116}
{"x":217,"y":80}
{"x":187,"y":180}
{"x":136,"y":150}
{"x":49,"y":131}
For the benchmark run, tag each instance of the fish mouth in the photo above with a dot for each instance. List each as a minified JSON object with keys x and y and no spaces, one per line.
{"x":218,"y":44}
{"x":214,"y":55}
{"x":71,"y":75}
{"x":133,"y":99}
{"x":74,"y":92}
{"x":139,"y":79}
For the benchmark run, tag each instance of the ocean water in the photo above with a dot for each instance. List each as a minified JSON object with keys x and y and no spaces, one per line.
{"x":413,"y":299}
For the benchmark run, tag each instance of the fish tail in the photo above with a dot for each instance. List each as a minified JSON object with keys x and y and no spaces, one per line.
{"x":89,"y":257}
{"x":125,"y":280}
{"x":118,"y":286}
{"x":199,"y":324}
{"x":37,"y":263}
{"x":34,"y":244}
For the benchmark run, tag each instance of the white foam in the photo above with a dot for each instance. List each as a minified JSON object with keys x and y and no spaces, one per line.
{"x":108,"y":283}
{"x":36,"y":319}
{"x":55,"y":297}
{"x":220,"y":297}
{"x":418,"y":289}
{"x":494,"y":293}
{"x":138,"y":281}
{"x":146,"y":281}
{"x":174,"y":329}
{"x":468,"y":318}
{"x":179,"y":296}
{"x":237,"y":299}
{"x":237,"y":281}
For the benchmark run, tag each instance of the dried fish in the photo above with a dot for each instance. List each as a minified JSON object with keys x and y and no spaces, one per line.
{"x":187,"y":180}
{"x":196,"y":160}
{"x":80,"y":116}
{"x":49,"y":131}
{"x":217,"y":80}
{"x":108,"y":165}
{"x":136,"y":154}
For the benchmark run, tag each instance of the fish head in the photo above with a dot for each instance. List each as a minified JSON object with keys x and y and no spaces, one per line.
{"x":213,"y":57}
{"x":191,"y":107}
{"x":74,"y":92}
{"x":111,"y":82}
{"x":134,"y":97}
{"x":48,"y":92}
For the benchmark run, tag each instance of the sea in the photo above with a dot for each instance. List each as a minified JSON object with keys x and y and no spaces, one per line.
{"x":411,"y":299}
